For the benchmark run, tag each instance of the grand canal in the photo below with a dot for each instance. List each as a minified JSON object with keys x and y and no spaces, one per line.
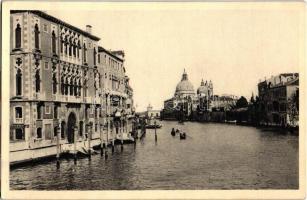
{"x":214,"y":156}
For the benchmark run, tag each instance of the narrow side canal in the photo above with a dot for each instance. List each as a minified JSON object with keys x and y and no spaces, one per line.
{"x":214,"y":156}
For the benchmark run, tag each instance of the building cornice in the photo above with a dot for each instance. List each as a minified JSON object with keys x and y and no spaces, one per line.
{"x":101,"y":49}
{"x":58,"y":21}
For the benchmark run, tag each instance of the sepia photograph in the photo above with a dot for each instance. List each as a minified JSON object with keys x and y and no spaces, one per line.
{"x":153,"y":97}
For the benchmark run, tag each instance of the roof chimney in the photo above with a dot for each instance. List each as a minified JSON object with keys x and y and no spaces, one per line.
{"x":89,"y":29}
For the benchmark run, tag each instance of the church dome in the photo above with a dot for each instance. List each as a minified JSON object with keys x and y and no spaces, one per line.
{"x":184,"y":86}
{"x":202,"y":88}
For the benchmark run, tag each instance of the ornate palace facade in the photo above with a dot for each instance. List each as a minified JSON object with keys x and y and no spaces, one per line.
{"x":61,"y":77}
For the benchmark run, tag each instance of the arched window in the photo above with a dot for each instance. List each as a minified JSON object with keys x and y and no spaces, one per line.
{"x":53,"y":42}
{"x":66,"y":44}
{"x":95,"y":53}
{"x":55,"y":131}
{"x":18,"y":36}
{"x":62,"y":42}
{"x":36,"y":36}
{"x":78,"y":49}
{"x":70,"y":47}
{"x":18,"y":82}
{"x":74,"y":49}
{"x":75,"y":87}
{"x":62,"y":86}
{"x":79,"y":88}
{"x":63,"y":130}
{"x":81,"y":128}
{"x":71,"y":89}
{"x":66,"y":86}
{"x":85,"y":88}
{"x":39,"y":111}
{"x":39,"y":133}
{"x":54,"y":83}
{"x":37,"y":81}
{"x":55,"y":111}
{"x":84,"y":52}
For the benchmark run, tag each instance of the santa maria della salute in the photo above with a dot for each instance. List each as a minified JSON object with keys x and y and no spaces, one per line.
{"x":192,"y":105}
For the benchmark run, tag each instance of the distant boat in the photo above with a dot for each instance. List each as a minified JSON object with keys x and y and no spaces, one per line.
{"x":182,"y":136}
{"x":126,"y":137}
{"x":152,"y":126}
{"x":231,"y":121}
{"x":173,"y":133}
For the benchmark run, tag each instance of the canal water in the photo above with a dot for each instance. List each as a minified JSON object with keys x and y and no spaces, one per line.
{"x":214,"y":156}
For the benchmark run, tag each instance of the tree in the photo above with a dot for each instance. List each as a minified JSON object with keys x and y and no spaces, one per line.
{"x":252,"y":98}
{"x":242,"y":102}
{"x":293,"y":109}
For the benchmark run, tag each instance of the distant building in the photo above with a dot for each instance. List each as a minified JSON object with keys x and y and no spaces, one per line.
{"x":184,"y":99}
{"x":193,"y":104}
{"x":150,"y":113}
{"x":223,"y":102}
{"x":278,"y":100}
{"x":205,"y":94}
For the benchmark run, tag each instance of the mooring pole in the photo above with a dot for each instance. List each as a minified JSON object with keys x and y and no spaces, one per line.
{"x":112,"y":140}
{"x":107,"y":140}
{"x":90,"y":129}
{"x":101,"y":140}
{"x":122,"y":136}
{"x":156,"y":137}
{"x":58,"y":136}
{"x":75,"y":144}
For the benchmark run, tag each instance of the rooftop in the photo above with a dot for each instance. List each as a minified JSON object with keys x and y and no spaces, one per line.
{"x":101,"y":49}
{"x":58,"y":21}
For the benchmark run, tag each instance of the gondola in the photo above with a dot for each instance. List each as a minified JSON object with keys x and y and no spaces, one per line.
{"x":182,"y":136}
{"x":173,"y":133}
{"x":153,"y":126}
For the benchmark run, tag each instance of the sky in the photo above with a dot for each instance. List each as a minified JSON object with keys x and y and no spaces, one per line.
{"x":234,"y":47}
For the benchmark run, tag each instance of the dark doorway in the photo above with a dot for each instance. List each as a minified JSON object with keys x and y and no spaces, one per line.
{"x":70,"y":127}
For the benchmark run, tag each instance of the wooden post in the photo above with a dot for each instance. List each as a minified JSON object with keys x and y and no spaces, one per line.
{"x":101,"y":140}
{"x":156,"y":137}
{"x":108,"y":124}
{"x":90,"y":129}
{"x":58,"y":136}
{"x":112,"y":133}
{"x":75,"y":144}
{"x":122,"y":137}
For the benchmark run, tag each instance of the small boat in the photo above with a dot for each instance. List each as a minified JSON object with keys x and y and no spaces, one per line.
{"x":153,"y":126}
{"x":182,"y":136}
{"x":126,"y":137}
{"x":173,"y":133}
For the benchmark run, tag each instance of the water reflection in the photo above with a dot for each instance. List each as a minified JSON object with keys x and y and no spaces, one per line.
{"x":214,"y":156}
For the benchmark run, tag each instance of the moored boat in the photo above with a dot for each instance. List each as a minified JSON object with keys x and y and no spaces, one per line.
{"x":125,"y":137}
{"x":152,"y":126}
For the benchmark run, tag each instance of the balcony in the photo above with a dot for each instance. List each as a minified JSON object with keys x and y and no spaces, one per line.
{"x":18,"y":120}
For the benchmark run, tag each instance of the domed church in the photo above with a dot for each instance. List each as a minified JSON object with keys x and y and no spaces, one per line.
{"x":185,"y":99}
{"x":184,"y":88}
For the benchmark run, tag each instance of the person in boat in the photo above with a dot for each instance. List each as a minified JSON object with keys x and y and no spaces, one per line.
{"x":173,"y":132}
{"x":177,"y":131}
{"x":182,"y":135}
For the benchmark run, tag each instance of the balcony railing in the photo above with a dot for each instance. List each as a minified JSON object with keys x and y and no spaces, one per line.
{"x":19,"y":120}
